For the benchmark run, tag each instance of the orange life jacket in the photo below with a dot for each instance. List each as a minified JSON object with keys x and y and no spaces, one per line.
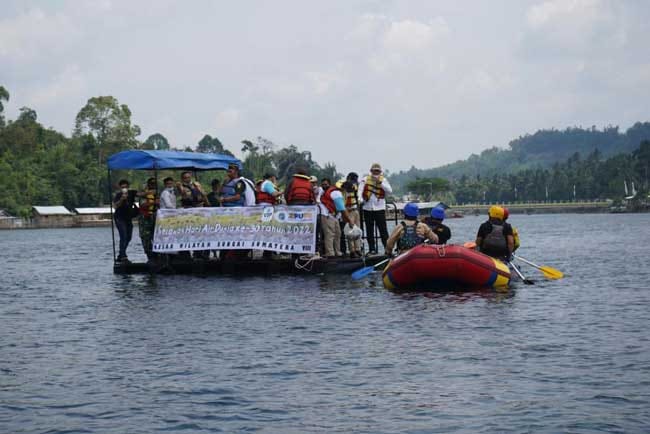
{"x":262,"y":196}
{"x":373,"y":186}
{"x":351,"y":199}
{"x":300,"y":190}
{"x":326,"y":199}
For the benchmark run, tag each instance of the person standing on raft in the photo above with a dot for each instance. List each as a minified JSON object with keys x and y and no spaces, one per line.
{"x":374,"y":188}
{"x":494,"y":237}
{"x":410,"y":232}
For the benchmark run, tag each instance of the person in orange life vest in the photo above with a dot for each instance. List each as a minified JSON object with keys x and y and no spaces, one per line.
{"x":374,"y":188}
{"x":494,"y":237}
{"x":350,"y":190}
{"x":332,"y":205}
{"x":149,"y":204}
{"x":299,"y":189}
{"x":268,"y":192}
{"x":191,"y":192}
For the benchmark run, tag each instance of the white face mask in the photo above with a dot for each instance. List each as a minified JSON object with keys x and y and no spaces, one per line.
{"x":170,"y":189}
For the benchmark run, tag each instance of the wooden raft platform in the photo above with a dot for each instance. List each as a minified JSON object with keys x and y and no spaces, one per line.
{"x":247,"y":266}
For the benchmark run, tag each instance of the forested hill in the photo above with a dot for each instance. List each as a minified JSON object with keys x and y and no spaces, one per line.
{"x":539,"y":150}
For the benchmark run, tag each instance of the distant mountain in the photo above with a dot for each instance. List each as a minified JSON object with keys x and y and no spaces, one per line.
{"x":539,"y":150}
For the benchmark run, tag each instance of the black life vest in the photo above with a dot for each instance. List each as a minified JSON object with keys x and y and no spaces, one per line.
{"x":409,"y":238}
{"x":495,"y":242}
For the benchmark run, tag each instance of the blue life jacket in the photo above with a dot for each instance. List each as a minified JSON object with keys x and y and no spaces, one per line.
{"x":228,"y":190}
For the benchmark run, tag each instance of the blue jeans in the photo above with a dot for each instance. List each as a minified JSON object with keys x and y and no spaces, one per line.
{"x":125,"y":229}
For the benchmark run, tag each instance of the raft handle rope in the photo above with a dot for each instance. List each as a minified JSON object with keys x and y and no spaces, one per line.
{"x":441,"y":250}
{"x":308,"y":264}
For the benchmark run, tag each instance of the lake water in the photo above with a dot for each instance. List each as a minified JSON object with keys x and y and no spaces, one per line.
{"x":85,"y":351}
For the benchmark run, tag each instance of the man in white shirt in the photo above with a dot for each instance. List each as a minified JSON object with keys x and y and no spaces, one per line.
{"x":168,"y":196}
{"x":373,"y":190}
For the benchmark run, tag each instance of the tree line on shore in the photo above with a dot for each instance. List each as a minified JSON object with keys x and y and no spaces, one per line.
{"x":41,"y":166}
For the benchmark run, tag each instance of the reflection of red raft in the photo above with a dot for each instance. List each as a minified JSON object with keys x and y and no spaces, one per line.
{"x":441,"y":267}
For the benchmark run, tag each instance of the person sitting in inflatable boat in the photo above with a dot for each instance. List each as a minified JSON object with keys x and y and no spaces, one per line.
{"x":494,"y":237}
{"x":410,"y":232}
{"x":435,"y":223}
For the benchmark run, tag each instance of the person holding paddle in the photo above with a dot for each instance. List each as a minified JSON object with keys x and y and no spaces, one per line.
{"x":494,"y":237}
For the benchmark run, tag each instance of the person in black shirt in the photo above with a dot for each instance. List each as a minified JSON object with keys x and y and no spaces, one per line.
{"x":435,"y":223}
{"x":494,"y":237}
{"x":125,"y":211}
{"x":214,"y":195}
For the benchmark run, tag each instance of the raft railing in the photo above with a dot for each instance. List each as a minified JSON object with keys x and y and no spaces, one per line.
{"x":376,"y":235}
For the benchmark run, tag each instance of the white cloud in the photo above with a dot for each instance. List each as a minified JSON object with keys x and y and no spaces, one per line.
{"x":69,"y":84}
{"x":544,"y":13}
{"x":324,"y":82}
{"x":414,"y":36}
{"x":34,"y":34}
{"x":409,"y":43}
{"x":574,"y":28}
{"x":227,"y":118}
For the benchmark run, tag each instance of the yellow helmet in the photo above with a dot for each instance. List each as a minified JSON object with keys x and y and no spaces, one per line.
{"x":496,"y":212}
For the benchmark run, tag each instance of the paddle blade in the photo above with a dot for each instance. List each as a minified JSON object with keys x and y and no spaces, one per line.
{"x":362,"y":272}
{"x":551,"y":273}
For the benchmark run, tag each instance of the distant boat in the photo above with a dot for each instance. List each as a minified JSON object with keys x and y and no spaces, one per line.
{"x":456,"y":215}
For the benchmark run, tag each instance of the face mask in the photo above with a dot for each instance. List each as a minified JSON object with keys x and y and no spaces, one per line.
{"x":170,"y":189}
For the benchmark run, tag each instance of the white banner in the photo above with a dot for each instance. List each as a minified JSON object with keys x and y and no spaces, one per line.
{"x":286,"y":229}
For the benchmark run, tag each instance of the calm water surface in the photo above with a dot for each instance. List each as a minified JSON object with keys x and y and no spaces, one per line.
{"x":85,"y":351}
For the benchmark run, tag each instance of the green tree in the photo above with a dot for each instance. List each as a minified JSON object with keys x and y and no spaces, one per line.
{"x":428,"y":187}
{"x":4,"y":96}
{"x":156,"y":141}
{"x":258,"y":157}
{"x":109,"y":123}
{"x":211,"y":145}
{"x":27,"y":115}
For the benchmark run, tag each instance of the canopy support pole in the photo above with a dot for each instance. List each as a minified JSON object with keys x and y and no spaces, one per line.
{"x":110,"y":199}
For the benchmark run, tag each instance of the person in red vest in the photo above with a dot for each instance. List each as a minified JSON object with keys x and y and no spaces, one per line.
{"x":267,"y":192}
{"x":332,"y":206}
{"x":299,"y":190}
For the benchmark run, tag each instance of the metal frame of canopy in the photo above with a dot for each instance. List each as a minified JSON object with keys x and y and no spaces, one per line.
{"x":140,"y":159}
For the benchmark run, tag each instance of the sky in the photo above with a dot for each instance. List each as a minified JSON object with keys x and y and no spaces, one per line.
{"x":404,"y":83}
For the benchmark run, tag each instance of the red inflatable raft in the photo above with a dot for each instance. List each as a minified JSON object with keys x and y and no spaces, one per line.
{"x":442,"y":267}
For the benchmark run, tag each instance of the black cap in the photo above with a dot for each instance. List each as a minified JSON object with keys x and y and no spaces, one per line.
{"x":353,"y":176}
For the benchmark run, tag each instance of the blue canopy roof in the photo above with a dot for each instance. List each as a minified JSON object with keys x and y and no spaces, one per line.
{"x":150,"y":160}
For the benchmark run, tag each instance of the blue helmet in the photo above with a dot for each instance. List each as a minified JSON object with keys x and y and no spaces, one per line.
{"x":411,"y":209}
{"x":438,"y":213}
